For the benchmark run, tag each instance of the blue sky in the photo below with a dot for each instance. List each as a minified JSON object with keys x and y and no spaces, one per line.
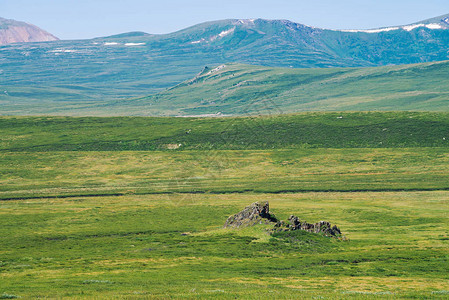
{"x":78,"y":19}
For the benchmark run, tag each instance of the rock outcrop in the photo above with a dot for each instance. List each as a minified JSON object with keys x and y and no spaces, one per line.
{"x":251,"y":215}
{"x":12,"y":31}
{"x":294,"y":223}
{"x":260,"y":214}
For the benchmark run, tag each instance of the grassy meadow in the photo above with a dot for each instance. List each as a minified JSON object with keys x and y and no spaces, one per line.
{"x":134,"y":207}
{"x":160,"y":246}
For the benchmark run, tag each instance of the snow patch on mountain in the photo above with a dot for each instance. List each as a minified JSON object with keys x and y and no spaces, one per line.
{"x":213,"y":38}
{"x":246,"y":21}
{"x":226,"y":32}
{"x":199,"y":41}
{"x":407,"y":28}
{"x":371,"y":30}
{"x":134,"y":44}
{"x":222,"y":34}
{"x":64,"y":51}
{"x":430,"y":26}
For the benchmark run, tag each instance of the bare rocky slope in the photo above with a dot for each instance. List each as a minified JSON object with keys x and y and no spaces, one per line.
{"x":12,"y":31}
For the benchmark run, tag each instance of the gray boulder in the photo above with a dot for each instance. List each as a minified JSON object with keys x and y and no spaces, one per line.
{"x":251,"y":215}
{"x":321,"y":227}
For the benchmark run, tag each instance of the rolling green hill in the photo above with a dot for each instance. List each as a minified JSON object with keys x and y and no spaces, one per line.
{"x":235,"y":89}
{"x":79,"y":77}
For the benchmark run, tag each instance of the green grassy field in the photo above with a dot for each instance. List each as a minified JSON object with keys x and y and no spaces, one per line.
{"x":173,"y":246}
{"x":294,"y":131}
{"x":53,"y":174}
{"x":115,"y":208}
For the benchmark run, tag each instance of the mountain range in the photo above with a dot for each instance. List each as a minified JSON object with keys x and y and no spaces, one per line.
{"x":63,"y":77}
{"x":12,"y":31}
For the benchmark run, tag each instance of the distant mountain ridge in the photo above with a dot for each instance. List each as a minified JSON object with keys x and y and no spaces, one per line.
{"x":443,"y":19}
{"x":56,"y":77}
{"x":12,"y":31}
{"x":286,"y":43}
{"x":440,"y":22}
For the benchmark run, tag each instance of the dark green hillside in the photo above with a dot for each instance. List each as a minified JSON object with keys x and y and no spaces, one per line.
{"x":317,"y":130}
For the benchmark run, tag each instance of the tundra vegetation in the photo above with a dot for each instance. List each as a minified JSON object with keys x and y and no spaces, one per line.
{"x":103,"y":207}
